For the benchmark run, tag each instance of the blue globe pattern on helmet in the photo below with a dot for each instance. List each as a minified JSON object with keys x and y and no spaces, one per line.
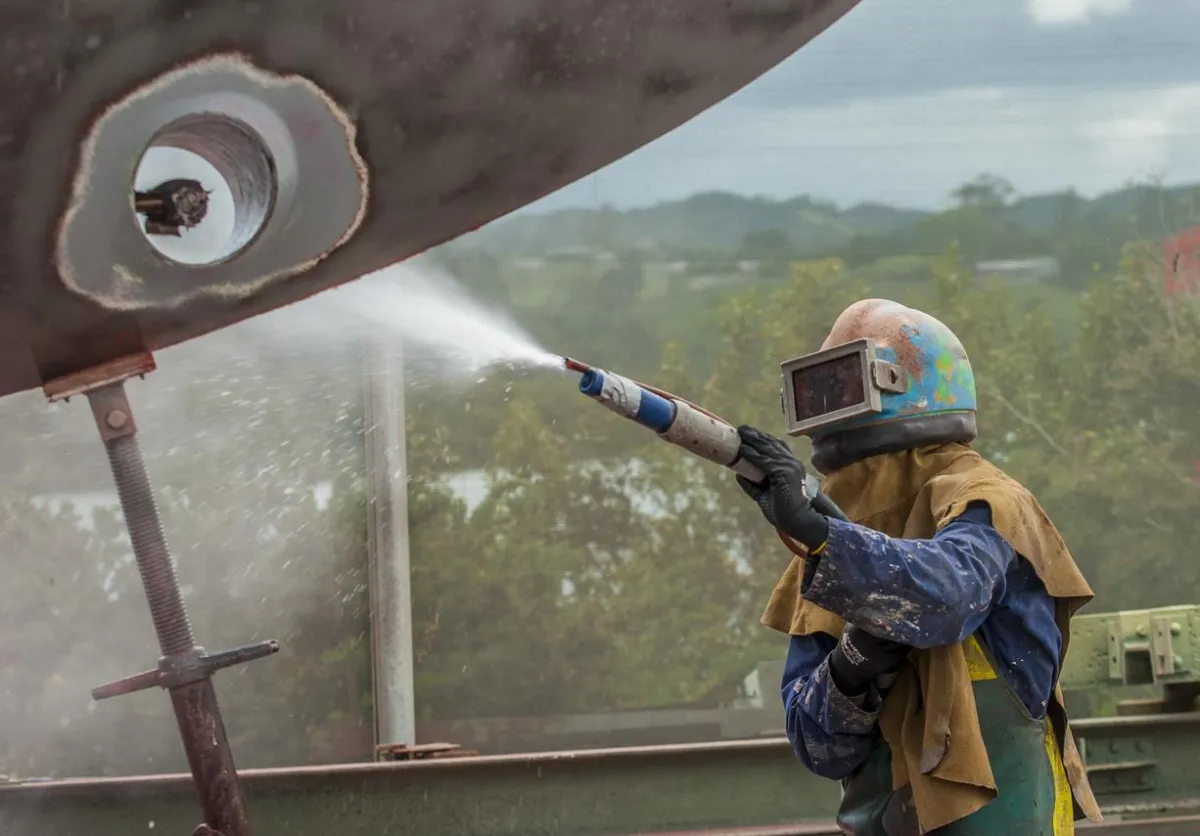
{"x":940,"y":378}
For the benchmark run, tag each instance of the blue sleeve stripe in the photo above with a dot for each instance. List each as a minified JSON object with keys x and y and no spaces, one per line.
{"x":654,"y":412}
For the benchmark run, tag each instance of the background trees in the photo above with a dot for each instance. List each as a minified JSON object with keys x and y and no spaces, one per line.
{"x":565,"y":561}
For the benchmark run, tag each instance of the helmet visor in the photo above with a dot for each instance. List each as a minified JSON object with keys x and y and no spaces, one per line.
{"x":829,"y":387}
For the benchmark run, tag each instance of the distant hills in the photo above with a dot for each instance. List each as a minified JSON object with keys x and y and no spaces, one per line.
{"x":987,"y":219}
{"x":712,"y":220}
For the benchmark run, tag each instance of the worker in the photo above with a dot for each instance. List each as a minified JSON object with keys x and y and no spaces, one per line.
{"x":928,"y":635}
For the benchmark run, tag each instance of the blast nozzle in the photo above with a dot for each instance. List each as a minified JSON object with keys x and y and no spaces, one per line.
{"x":673,"y":419}
{"x":681,"y":423}
{"x":576,"y":366}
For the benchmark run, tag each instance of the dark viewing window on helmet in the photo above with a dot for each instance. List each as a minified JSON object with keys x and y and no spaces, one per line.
{"x":827,"y":387}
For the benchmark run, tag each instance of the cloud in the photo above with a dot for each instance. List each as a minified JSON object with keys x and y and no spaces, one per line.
{"x":907,"y":150}
{"x":1149,"y":134}
{"x":886,"y":49}
{"x":1133,"y":143}
{"x":1059,"y":12}
{"x":904,"y":101}
{"x":914,"y":150}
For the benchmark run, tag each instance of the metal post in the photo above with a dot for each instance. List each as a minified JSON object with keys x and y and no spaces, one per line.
{"x":387,"y":546}
{"x":184,"y":669}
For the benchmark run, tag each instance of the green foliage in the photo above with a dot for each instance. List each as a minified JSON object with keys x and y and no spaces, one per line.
{"x":565,"y":560}
{"x":242,"y":459}
{"x":987,"y":193}
{"x":1094,"y":418}
{"x":986,"y":220}
{"x":773,"y":246}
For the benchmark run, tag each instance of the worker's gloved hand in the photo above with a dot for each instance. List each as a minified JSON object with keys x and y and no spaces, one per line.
{"x":782,"y":498}
{"x":861,"y":657}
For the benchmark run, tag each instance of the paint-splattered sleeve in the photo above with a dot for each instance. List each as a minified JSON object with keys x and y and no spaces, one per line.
{"x":922,"y":593}
{"x":829,"y":731}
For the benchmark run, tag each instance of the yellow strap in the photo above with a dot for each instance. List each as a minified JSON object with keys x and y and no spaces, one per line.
{"x":1064,"y":812}
{"x":977,"y":663}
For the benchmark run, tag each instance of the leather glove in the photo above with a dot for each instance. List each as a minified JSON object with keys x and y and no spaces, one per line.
{"x":861,"y":657}
{"x":782,"y":498}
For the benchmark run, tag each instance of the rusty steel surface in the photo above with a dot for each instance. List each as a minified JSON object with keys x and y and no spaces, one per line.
{"x":94,"y":377}
{"x":451,"y":113}
{"x":214,"y":774}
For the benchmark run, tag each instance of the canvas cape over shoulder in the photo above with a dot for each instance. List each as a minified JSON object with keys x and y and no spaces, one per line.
{"x":929,"y":718}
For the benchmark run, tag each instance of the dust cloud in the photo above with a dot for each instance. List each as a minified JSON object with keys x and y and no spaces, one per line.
{"x":253,"y":437}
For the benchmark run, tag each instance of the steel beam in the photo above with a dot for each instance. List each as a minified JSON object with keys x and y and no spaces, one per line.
{"x":745,"y":788}
{"x":590,"y":793}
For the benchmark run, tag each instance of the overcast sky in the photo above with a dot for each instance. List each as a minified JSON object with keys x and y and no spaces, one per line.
{"x":902,"y":100}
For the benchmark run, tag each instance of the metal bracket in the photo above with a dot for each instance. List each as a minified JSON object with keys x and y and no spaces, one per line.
{"x":424,"y":751}
{"x":1162,"y":647}
{"x":1147,"y":657}
{"x":80,"y":383}
{"x":1117,"y":651}
{"x":889,"y":377}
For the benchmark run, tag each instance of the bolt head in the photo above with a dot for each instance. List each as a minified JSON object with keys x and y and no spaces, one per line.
{"x":117,"y":419}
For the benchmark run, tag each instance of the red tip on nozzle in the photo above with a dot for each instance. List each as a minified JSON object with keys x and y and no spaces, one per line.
{"x":576,"y":366}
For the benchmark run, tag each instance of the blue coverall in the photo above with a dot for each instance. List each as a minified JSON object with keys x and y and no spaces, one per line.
{"x":921,"y":593}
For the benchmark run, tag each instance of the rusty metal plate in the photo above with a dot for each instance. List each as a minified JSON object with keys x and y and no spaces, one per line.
{"x":388,"y":128}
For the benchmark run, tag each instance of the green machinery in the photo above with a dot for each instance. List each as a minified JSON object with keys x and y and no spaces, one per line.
{"x":1140,"y":668}
{"x":1142,"y":761}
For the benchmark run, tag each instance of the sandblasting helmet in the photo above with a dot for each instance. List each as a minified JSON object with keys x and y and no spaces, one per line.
{"x":887,"y":378}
